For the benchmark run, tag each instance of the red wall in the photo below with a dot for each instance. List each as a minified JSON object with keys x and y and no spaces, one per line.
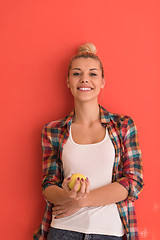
{"x":37,"y":40}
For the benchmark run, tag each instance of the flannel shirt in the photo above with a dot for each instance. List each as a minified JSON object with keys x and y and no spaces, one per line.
{"x":127,"y":168}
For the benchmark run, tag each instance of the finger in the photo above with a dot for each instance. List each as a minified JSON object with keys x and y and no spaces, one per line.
{"x":87,"y":185}
{"x":65,"y":183}
{"x":60,"y":216}
{"x":58,"y":212}
{"x":55,"y":210}
{"x":83,"y":186}
{"x":56,"y":207}
{"x":76,"y":185}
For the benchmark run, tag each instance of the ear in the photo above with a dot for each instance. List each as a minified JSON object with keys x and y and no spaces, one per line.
{"x":67,"y":81}
{"x":103,"y":82}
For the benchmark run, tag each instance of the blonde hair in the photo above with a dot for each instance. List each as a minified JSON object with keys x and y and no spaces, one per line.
{"x":87,"y":50}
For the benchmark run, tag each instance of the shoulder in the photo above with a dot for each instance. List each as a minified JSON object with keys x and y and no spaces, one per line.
{"x":120,"y":122}
{"x":124,"y":125}
{"x":121,"y":119}
{"x":56,"y":124}
{"x":118,"y":118}
{"x":53,"y":131}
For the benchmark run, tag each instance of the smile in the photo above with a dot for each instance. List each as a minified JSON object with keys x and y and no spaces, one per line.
{"x":85,"y":89}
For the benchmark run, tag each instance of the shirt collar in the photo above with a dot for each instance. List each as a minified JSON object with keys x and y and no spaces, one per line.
{"x":104,"y":117}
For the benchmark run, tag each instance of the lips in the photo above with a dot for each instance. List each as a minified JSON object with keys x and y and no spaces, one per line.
{"x":84,"y":88}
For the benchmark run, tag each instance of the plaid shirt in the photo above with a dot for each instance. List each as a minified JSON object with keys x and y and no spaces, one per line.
{"x":127,"y":168}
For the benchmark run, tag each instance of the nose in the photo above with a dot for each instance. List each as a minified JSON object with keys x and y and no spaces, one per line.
{"x":83,"y":79}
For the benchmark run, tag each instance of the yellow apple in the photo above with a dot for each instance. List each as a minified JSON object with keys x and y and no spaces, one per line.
{"x":74,"y":178}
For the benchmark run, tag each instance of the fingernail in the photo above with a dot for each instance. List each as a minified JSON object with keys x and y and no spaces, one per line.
{"x":78,"y":178}
{"x":86,"y":179}
{"x":68,"y":178}
{"x":82,"y":179}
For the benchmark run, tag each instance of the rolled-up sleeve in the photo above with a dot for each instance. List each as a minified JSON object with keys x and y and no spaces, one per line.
{"x":132,"y":169}
{"x":51,"y":165}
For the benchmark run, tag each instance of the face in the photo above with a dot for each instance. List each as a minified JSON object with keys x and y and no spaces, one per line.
{"x":85,"y":79}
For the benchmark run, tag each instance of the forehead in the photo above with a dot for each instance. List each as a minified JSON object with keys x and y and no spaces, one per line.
{"x":85,"y":63}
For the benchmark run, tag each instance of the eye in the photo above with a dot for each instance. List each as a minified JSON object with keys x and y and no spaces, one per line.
{"x":93,"y":74}
{"x":76,"y":73}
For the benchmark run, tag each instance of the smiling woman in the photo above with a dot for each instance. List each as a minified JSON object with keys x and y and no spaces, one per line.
{"x":100,"y":145}
{"x":85,"y":74}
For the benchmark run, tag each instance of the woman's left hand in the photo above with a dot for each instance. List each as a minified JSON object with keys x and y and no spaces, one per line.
{"x":65,"y":209}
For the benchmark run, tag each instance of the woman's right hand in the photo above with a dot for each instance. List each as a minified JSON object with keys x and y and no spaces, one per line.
{"x":72,"y":193}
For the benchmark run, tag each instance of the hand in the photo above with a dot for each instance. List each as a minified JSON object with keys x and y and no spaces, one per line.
{"x":65,"y":209}
{"x":73,"y":194}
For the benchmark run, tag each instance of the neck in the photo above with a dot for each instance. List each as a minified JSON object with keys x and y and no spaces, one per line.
{"x":86,"y":113}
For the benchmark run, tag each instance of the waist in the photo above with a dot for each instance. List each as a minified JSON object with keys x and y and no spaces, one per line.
{"x":93,"y":220}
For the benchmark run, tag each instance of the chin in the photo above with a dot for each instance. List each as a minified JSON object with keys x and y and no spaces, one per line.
{"x":85,"y":99}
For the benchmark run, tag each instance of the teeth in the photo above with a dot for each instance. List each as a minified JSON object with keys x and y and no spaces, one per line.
{"x":85,"y":89}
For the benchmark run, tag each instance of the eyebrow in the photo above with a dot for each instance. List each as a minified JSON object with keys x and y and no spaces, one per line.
{"x":89,"y":69}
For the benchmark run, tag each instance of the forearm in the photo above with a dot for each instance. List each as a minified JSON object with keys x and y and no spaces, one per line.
{"x":111,"y":193}
{"x":55,"y":195}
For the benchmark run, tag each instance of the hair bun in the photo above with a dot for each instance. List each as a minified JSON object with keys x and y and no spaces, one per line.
{"x":87,"y":47}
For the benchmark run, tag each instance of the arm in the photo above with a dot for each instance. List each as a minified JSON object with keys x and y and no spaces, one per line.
{"x":57,"y":195}
{"x":51,"y":166}
{"x":111,"y":193}
{"x":131,"y":163}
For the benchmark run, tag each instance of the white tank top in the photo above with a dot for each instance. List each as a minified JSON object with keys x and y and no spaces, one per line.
{"x":94,"y":161}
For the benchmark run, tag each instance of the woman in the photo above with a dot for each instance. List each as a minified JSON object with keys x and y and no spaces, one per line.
{"x":100,"y":145}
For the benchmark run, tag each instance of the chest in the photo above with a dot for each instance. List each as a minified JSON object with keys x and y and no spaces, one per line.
{"x":87,"y":135}
{"x":82,"y":135}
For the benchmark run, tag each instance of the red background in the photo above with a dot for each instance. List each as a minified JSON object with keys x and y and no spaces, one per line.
{"x":37,"y":40}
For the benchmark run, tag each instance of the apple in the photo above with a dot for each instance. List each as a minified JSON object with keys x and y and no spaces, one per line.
{"x":74,"y":178}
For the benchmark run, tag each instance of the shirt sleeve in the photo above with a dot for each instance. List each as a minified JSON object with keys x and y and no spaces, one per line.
{"x":51,"y":164}
{"x":132,"y":169}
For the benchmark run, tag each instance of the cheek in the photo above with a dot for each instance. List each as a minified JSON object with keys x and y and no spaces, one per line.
{"x":71,"y":82}
{"x":98,"y":84}
{"x":72,"y":89}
